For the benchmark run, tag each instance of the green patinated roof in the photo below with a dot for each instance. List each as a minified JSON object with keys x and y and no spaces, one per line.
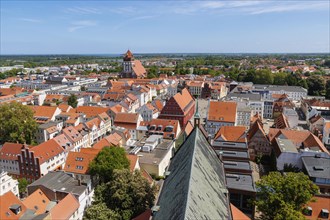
{"x":195,"y":187}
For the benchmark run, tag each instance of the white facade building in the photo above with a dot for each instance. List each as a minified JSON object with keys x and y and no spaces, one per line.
{"x":7,"y":183}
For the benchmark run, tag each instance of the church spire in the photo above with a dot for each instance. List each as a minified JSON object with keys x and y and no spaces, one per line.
{"x":197,"y":116}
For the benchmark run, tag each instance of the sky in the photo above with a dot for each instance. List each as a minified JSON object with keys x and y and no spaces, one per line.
{"x":113,"y":26}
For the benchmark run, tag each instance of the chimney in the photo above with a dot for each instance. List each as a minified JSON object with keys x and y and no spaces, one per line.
{"x":79,"y":182}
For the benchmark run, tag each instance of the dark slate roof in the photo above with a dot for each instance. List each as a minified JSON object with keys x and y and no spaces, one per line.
{"x":250,"y":96}
{"x":242,"y":182}
{"x":195,"y":187}
{"x":317,"y":166}
{"x":60,"y":182}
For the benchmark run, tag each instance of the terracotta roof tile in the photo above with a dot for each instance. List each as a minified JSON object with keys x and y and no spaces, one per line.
{"x":281,"y":122}
{"x":65,"y":208}
{"x":72,"y":134}
{"x":183,"y":99}
{"x":158,"y":104}
{"x":91,"y":111}
{"x":64,"y":107}
{"x":43,"y":111}
{"x":133,"y":159}
{"x":126,"y":119}
{"x":92,"y":122}
{"x":318,"y":203}
{"x":47,"y":150}
{"x":144,"y":215}
{"x":163,"y":123}
{"x":11,"y":91}
{"x":304,"y":138}
{"x":6,"y":201}
{"x":78,"y":162}
{"x":222,"y":111}
{"x":102,"y":144}
{"x":188,"y":129}
{"x":37,"y":202}
{"x":138,"y":69}
{"x":9,"y":151}
{"x":232,"y":133}
{"x":255,"y":128}
{"x":238,"y":214}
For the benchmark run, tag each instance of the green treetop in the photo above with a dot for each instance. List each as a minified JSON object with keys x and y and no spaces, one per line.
{"x":17,"y":123}
{"x":108,"y":159}
{"x":279,"y":195}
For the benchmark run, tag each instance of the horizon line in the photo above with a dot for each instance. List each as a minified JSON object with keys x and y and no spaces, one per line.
{"x":160,"y":53}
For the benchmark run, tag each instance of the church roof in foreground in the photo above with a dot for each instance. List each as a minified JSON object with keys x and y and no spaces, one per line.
{"x":195,"y":187}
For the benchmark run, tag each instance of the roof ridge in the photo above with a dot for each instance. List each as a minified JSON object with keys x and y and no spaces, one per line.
{"x":191,"y":168}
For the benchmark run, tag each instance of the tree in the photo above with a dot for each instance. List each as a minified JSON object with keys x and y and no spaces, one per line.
{"x":17,"y":123}
{"x":73,"y":101}
{"x":316,"y":85}
{"x":22,"y":184}
{"x":108,"y":159}
{"x":280,"y":78}
{"x":128,"y":194}
{"x":279,"y":194}
{"x":290,"y":168}
{"x":100,"y":211}
{"x":327,"y":90}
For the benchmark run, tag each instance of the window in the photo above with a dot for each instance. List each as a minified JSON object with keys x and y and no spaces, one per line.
{"x":79,"y":167}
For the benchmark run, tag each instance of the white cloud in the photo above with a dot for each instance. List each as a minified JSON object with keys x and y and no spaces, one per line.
{"x":249,"y":7}
{"x":83,"y":10}
{"x":291,"y":6}
{"x":30,"y":20}
{"x":76,"y":25}
{"x":212,"y":5}
{"x":124,"y":10}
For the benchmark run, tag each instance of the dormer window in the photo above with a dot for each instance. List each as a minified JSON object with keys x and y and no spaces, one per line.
{"x":16,"y":208}
{"x":325,"y":213}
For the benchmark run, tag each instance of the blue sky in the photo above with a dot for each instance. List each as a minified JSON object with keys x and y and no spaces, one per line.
{"x":95,"y":27}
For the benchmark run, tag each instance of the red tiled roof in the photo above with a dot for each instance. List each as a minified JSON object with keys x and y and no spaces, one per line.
{"x":138,"y":69}
{"x":188,"y":129}
{"x":232,"y":133}
{"x":101,"y":144}
{"x":144,"y":215}
{"x":298,"y":137}
{"x":78,"y":162}
{"x":222,"y":111}
{"x":90,"y":111}
{"x":64,"y":107}
{"x":43,"y":111}
{"x":11,"y":91}
{"x":183,"y":99}
{"x":72,"y":134}
{"x":133,"y":159}
{"x":281,"y":122}
{"x":6,"y":201}
{"x":9,"y":151}
{"x":158,"y":104}
{"x":37,"y":201}
{"x":238,"y":214}
{"x":164,"y":123}
{"x":92,"y":122}
{"x":257,"y":126}
{"x":47,"y":150}
{"x":318,"y":203}
{"x":65,"y":208}
{"x":123,"y":118}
